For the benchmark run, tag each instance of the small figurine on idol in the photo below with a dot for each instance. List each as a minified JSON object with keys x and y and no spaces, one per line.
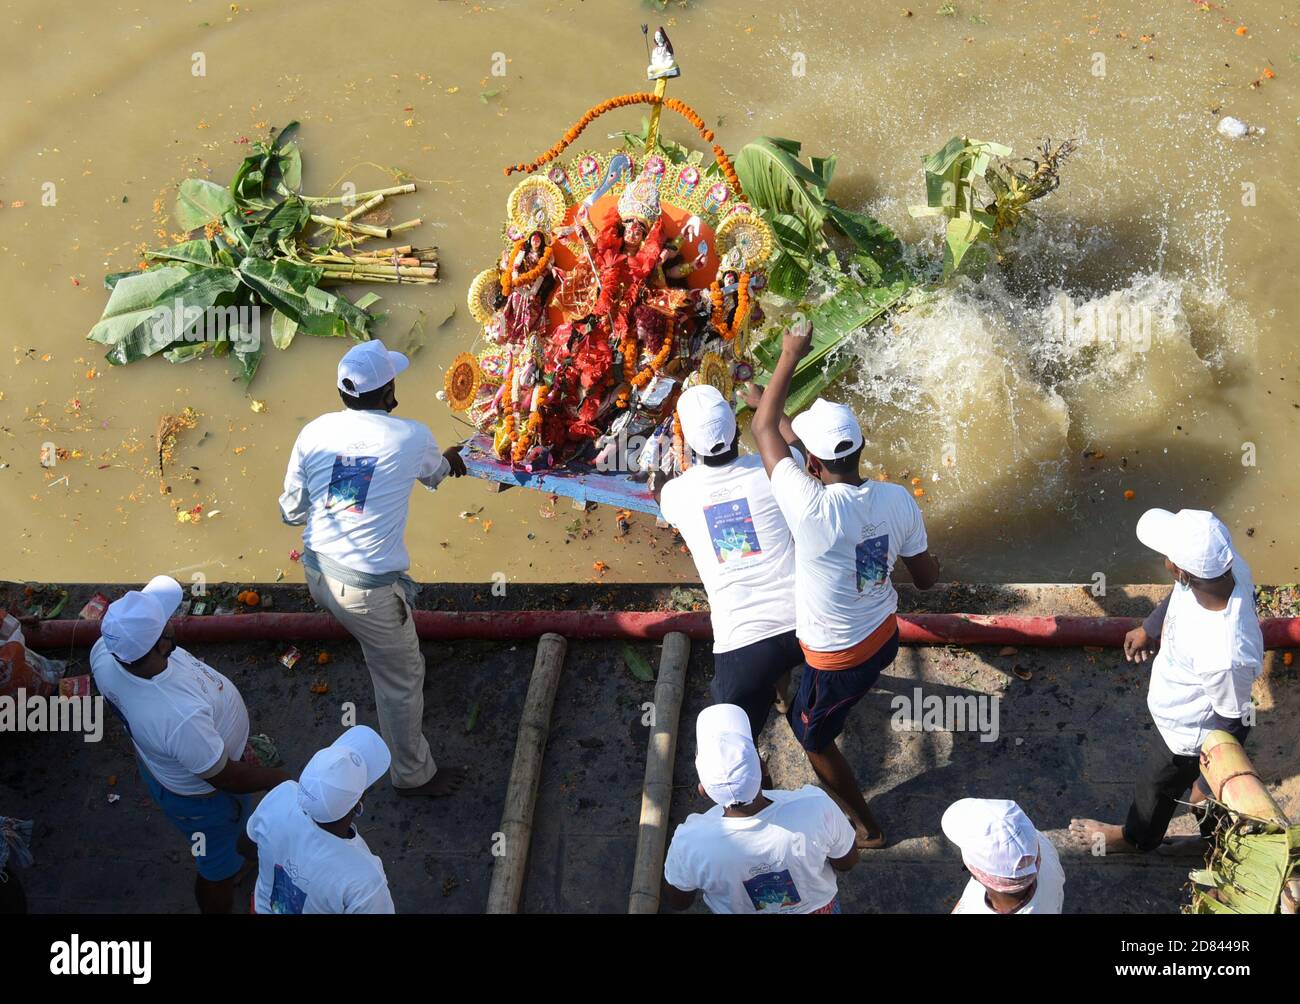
{"x":663,"y":64}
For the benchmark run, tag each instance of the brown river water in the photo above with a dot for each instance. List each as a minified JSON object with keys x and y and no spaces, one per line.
{"x":1159,"y":220}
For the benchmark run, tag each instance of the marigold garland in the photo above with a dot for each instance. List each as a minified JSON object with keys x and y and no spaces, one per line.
{"x":525,"y":278}
{"x":622,"y":101}
{"x":656,"y":364}
{"x":679,"y":444}
{"x":728,"y":331}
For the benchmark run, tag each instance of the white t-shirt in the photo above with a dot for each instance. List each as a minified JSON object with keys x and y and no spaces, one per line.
{"x":1206,"y":664}
{"x":304,"y":869}
{"x":741,"y":546}
{"x":351,"y":474}
{"x":777,"y":861}
{"x":846,"y":541}
{"x":1048,"y":897}
{"x":186,"y":721}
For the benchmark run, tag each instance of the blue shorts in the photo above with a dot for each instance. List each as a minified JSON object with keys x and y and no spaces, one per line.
{"x":826,"y":696}
{"x":220,"y":817}
{"x":747,"y":677}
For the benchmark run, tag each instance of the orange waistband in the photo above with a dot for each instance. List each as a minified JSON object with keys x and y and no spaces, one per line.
{"x":855,"y":656}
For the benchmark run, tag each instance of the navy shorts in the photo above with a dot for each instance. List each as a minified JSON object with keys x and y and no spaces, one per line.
{"x":826,"y":696}
{"x":220,"y":817}
{"x":747,"y":676}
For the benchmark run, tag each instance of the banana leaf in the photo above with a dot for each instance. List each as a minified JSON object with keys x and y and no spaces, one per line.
{"x":1247,"y":872}
{"x":283,"y":328}
{"x":174,"y":315}
{"x":200,"y":202}
{"x":278,"y":225}
{"x":247,"y":359}
{"x":132,"y":301}
{"x":196,"y":252}
{"x":290,"y":289}
{"x":271,"y":170}
{"x":779,"y":184}
{"x":950,"y":177}
{"x":187,"y":353}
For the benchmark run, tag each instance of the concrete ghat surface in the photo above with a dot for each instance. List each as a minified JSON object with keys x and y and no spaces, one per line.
{"x":1069,"y":740}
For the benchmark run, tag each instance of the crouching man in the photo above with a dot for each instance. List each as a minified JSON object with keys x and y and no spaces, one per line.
{"x":755,"y":851}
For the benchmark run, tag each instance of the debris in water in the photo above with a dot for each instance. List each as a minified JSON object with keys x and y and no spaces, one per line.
{"x":1234,"y":128}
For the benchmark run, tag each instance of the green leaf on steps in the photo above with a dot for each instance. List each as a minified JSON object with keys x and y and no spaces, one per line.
{"x":637,"y":665}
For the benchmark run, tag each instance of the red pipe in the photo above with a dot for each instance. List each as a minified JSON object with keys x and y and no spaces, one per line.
{"x":513,"y":625}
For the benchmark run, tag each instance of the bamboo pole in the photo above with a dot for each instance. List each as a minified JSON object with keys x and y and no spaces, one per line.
{"x":657,"y":792}
{"x":364,"y":207}
{"x":352,"y":228}
{"x":521,"y":793}
{"x":1234,"y":782}
{"x":338,"y":200}
{"x":397,"y":228}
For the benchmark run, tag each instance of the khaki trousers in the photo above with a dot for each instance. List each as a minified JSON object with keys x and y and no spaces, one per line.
{"x":381,"y":621}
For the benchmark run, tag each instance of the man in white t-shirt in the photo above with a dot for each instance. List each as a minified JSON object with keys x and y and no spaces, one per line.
{"x":1013,"y":867}
{"x":848,"y":533}
{"x":755,"y":851}
{"x":189,"y":726}
{"x":311,"y":859}
{"x":1211,"y":650}
{"x":724,"y":510}
{"x":349,"y":480}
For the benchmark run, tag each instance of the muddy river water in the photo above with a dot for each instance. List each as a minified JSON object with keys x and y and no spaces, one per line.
{"x":1028,"y":444}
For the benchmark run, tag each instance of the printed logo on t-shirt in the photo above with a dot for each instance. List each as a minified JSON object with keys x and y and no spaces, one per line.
{"x":350,"y":483}
{"x":873,"y":561}
{"x":772,"y":891}
{"x":285,"y":896}
{"x":731,"y":527}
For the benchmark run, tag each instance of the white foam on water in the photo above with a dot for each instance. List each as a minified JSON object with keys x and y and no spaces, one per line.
{"x":998,"y":389}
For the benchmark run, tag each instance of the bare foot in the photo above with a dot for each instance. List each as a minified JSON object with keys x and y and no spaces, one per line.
{"x":1099,"y":837}
{"x":444,"y":782}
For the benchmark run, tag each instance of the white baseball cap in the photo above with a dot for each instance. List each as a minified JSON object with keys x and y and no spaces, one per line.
{"x":368,"y":367}
{"x":134,"y":622}
{"x":1193,"y":539}
{"x":995,"y":836}
{"x":708,"y":423}
{"x":725,"y":757}
{"x":337,"y":776}
{"x":826,"y":425}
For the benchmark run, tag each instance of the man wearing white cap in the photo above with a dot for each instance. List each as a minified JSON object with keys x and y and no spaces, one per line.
{"x":1211,"y":650}
{"x":755,"y":851}
{"x":1013,"y":867}
{"x":349,"y":480}
{"x":189,"y":726}
{"x":723,"y":508}
{"x":311,"y":859}
{"x":848,"y":533}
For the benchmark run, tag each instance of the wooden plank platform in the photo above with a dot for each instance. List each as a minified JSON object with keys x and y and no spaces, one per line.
{"x":585,"y":486}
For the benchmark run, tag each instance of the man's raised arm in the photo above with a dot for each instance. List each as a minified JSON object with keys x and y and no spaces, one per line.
{"x":766,"y":425}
